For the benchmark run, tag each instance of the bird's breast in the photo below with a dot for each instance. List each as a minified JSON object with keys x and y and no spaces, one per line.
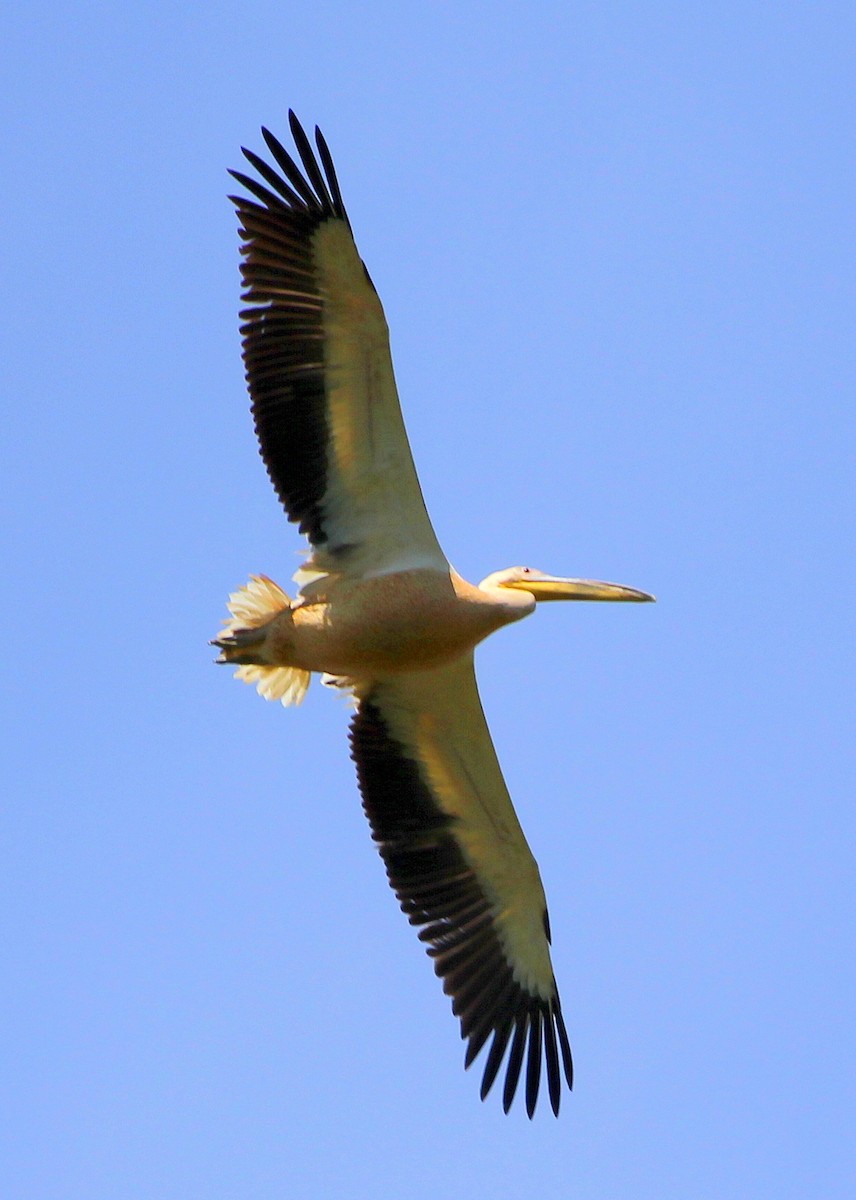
{"x":405,"y":621}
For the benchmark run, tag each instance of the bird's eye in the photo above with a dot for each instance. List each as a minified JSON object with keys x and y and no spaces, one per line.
{"x":526,"y":570}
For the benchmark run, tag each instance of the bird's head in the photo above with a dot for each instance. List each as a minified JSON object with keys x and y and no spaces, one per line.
{"x":551,"y":587}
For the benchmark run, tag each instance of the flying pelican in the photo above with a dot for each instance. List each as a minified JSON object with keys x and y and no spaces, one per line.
{"x":382,"y":614}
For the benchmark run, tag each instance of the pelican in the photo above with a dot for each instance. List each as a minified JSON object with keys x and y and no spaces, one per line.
{"x":381,"y":614}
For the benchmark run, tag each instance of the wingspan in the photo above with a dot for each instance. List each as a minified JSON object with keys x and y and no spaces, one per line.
{"x":460,"y":866}
{"x":319,"y":371}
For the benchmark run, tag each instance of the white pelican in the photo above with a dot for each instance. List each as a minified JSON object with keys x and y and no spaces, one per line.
{"x":381,"y":613}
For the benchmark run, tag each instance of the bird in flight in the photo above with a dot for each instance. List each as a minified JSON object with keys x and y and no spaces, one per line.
{"x":380,"y":613}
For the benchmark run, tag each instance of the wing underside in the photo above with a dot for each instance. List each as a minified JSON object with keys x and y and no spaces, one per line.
{"x":319,"y":371}
{"x":459,"y":864}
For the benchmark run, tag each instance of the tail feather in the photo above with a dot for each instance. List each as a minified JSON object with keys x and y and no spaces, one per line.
{"x":288,"y":684}
{"x":243,"y":637}
{"x":254,"y":604}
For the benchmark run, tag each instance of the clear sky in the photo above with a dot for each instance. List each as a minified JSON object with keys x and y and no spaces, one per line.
{"x":615,"y":243}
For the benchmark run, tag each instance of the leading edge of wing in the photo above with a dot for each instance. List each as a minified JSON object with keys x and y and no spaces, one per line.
{"x":461,"y":869}
{"x":319,"y":370}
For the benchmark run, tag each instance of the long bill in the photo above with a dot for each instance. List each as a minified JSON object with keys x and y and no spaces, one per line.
{"x":550,"y":587}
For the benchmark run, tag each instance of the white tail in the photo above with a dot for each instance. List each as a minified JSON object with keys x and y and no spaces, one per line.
{"x":252,"y":607}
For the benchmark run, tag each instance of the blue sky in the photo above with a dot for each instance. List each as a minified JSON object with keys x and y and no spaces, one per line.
{"x":615,"y":246}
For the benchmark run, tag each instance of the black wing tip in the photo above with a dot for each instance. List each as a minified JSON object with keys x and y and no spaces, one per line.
{"x":312,"y":190}
{"x":540,"y":1037}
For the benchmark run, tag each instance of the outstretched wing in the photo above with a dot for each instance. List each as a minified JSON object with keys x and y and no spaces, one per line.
{"x":319,"y":371}
{"x":460,"y":866}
